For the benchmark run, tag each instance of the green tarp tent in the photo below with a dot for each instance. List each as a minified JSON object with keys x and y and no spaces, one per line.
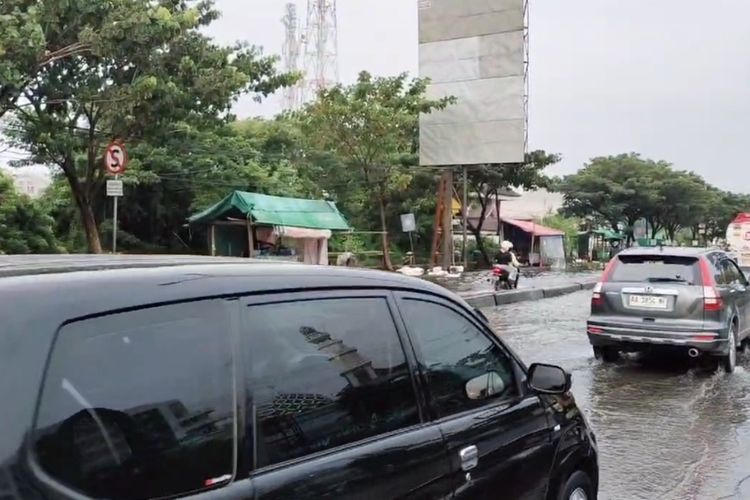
{"x":274,"y":211}
{"x":609,"y":235}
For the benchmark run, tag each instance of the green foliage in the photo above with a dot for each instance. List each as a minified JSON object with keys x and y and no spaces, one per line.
{"x":625,"y":188}
{"x":616,"y":188}
{"x":24,"y":226}
{"x":366,"y":137}
{"x":141,"y":71}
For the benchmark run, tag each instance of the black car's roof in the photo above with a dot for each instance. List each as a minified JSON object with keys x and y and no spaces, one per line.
{"x":83,"y":285}
{"x":671,"y":251}
{"x":19,"y":265}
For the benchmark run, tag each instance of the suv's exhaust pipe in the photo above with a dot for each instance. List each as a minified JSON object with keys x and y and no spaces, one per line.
{"x":693,"y":352}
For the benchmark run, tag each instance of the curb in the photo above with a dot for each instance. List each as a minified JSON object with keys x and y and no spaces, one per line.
{"x":492,"y":299}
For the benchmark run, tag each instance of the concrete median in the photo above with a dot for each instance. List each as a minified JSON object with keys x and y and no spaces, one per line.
{"x":491,"y":299}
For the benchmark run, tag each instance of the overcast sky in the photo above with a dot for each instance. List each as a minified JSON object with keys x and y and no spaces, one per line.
{"x":669,"y":78}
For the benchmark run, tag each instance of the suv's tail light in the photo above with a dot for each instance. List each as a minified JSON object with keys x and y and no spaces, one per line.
{"x":597,"y":297}
{"x":711,"y":297}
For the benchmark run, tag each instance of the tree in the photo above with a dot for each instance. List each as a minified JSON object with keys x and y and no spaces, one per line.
{"x":369,"y":127}
{"x":487,"y":181}
{"x":619,"y":189}
{"x":23,"y":51}
{"x":721,"y":209}
{"x":148,"y":76}
{"x":24,"y":227}
{"x":683,"y":202}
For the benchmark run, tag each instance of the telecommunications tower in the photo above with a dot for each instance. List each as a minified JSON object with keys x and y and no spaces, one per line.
{"x":290,"y":53}
{"x":321,"y":47}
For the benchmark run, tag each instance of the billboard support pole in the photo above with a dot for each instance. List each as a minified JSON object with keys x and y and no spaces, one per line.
{"x":447,"y":222}
{"x":465,"y":210}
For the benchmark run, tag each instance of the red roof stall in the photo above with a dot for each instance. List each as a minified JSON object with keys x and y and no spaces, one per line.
{"x":532,"y":242}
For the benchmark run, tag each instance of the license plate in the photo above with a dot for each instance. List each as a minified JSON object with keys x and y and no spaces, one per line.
{"x":648,"y":301}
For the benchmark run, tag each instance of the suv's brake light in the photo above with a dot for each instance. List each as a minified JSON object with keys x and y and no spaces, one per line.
{"x":711,"y":298}
{"x":596,"y":297}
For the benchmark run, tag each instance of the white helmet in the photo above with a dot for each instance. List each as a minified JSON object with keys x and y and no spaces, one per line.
{"x":506,"y":245}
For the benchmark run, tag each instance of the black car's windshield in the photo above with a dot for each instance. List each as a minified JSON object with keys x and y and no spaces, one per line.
{"x":656,"y":268}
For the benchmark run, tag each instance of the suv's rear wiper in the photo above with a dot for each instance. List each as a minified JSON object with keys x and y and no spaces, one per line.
{"x":667,"y":280}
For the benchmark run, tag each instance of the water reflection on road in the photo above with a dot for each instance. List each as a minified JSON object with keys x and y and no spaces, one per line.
{"x":666,"y":428}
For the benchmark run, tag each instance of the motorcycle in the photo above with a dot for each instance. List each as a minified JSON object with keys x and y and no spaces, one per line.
{"x":501,"y":275}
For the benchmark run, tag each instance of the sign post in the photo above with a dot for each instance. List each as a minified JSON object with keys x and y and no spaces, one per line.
{"x":115,"y":160}
{"x":409,"y":225}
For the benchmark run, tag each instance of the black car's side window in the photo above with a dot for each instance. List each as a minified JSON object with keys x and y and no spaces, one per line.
{"x":324,"y":373}
{"x":463,"y":367}
{"x":140,"y":404}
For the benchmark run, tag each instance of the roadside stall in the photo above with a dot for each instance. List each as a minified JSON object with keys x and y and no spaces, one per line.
{"x":271,"y":227}
{"x":536,"y":244}
{"x":596,"y":244}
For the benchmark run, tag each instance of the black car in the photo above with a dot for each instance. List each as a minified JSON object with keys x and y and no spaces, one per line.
{"x":153,"y":377}
{"x":692,"y":299}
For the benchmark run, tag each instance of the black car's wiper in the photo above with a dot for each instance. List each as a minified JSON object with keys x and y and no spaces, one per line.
{"x":667,"y":280}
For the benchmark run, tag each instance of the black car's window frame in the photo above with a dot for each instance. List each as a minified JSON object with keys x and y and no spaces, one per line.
{"x":519,"y":369}
{"x":55,"y":485}
{"x":250,"y":461}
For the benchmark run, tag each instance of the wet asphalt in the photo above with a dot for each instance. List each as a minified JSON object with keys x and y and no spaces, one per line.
{"x":667,"y":428}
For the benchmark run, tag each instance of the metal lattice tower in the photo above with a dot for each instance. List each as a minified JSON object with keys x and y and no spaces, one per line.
{"x":321,"y":47}
{"x":290,"y":53}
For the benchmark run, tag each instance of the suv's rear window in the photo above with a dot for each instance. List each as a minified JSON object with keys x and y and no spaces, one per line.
{"x":655,"y":269}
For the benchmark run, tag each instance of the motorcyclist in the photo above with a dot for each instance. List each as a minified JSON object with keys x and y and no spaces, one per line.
{"x":507,"y":258}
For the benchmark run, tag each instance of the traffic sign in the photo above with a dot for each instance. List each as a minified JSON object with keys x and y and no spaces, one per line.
{"x":408,"y":223}
{"x":114,"y":188}
{"x":115,"y":158}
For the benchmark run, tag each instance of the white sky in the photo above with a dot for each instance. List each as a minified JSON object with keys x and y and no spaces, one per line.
{"x":669,"y":79}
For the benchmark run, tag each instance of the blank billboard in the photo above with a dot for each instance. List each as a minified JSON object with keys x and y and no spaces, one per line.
{"x":473,"y":50}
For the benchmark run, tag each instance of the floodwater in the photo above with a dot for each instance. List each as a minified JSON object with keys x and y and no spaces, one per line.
{"x":667,"y":429}
{"x":478,"y":281}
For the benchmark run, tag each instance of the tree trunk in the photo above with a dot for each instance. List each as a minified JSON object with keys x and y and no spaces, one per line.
{"x":90,"y":228}
{"x":497,"y":213}
{"x":387,"y":265}
{"x":85,"y":209}
{"x":477,"y":232}
{"x":655,"y":228}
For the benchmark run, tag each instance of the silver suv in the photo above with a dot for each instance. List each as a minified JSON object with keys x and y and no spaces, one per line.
{"x":694,"y":299}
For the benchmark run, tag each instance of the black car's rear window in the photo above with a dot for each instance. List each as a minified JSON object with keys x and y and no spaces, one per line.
{"x":655,"y":269}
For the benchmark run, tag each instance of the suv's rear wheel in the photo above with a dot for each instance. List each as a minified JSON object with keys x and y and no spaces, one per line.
{"x":730,"y":360}
{"x":606,"y":354}
{"x":577,"y":487}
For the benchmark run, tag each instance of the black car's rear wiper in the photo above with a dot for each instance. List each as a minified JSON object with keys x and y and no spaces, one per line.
{"x":667,"y":280}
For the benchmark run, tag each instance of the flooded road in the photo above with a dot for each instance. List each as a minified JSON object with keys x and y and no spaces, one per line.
{"x":481,"y":281}
{"x":666,"y":428}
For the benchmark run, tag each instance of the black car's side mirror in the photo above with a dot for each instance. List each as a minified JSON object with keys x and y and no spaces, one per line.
{"x":549,"y":379}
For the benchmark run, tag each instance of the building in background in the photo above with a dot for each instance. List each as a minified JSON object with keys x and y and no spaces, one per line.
{"x":31,"y":181}
{"x":532,"y":205}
